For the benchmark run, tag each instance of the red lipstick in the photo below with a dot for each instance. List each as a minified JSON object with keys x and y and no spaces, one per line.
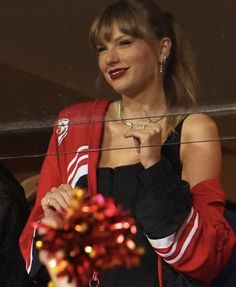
{"x":117,"y":73}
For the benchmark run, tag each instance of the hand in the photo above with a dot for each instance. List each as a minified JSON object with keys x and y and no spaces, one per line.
{"x":56,"y":200}
{"x":147,"y":140}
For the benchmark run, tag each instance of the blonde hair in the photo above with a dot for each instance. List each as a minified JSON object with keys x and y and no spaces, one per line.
{"x":145,"y":20}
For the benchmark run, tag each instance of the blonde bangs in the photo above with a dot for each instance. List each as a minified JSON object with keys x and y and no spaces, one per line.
{"x":128,"y":21}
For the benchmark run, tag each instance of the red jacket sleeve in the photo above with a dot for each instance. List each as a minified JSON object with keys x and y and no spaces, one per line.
{"x":205,"y":241}
{"x":49,"y":177}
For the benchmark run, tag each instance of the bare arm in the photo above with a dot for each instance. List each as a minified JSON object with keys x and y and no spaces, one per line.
{"x":203,"y":241}
{"x":201,"y":155}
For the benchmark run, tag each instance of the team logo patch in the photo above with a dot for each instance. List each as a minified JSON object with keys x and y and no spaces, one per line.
{"x":62,"y":129}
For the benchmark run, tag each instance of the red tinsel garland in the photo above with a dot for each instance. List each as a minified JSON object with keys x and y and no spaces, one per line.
{"x":96,"y":235}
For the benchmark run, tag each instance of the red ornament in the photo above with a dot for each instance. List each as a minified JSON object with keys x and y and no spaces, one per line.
{"x":96,"y":235}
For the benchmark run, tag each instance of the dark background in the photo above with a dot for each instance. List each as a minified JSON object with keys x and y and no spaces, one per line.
{"x":46,"y":63}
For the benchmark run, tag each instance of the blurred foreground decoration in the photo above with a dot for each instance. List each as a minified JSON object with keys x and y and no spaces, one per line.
{"x":96,"y":235}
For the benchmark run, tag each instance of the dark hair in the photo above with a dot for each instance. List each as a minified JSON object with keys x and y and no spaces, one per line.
{"x":145,"y":20}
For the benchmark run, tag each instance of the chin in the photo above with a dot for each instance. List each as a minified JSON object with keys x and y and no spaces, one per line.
{"x":128,"y":90}
{"x":122,"y":88}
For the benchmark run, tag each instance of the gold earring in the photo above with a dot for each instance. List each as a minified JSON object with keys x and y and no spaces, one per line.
{"x":162,"y":63}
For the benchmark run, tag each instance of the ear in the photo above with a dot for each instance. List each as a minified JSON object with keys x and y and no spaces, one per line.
{"x":164,"y":49}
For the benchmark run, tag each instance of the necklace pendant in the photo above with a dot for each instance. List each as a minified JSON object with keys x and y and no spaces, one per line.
{"x":130,"y":125}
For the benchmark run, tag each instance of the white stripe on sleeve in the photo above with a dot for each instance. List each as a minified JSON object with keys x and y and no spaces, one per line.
{"x":169,"y":240}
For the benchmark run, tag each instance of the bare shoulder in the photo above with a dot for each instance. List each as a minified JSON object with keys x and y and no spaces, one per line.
{"x":201,"y":151}
{"x":199,"y":127}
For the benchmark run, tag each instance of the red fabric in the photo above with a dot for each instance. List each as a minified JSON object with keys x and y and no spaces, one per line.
{"x":204,"y":242}
{"x":214,"y":240}
{"x":56,"y":167}
{"x":67,"y":158}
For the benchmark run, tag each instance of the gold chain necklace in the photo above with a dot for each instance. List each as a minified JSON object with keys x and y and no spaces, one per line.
{"x":120,"y":110}
{"x":129,"y":124}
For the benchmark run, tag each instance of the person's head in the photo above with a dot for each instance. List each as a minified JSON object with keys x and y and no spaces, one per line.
{"x":143,"y":19}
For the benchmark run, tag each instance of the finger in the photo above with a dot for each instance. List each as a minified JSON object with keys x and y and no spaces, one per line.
{"x":54,"y":201}
{"x":65,"y":191}
{"x":63,"y":196}
{"x":66,"y":187}
{"x":58,"y":203}
{"x":135,"y":133}
{"x":146,"y":139}
{"x":137,"y":144}
{"x":53,"y":221}
{"x":151,"y":130}
{"x":136,"y":139}
{"x":45,"y":202}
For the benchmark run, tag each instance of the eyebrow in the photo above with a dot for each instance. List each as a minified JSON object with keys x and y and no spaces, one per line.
{"x":120,"y":37}
{"x":117,"y":39}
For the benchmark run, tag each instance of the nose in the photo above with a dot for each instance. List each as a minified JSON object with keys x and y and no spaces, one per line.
{"x":112,"y":57}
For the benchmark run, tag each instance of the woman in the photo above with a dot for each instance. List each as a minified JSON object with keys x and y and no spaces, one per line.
{"x":171,"y":188}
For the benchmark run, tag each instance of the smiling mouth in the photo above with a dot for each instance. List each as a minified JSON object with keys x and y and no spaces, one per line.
{"x":117,"y":73}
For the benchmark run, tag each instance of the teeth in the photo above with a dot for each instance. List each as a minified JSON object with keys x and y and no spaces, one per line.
{"x":117,"y":72}
{"x":114,"y":73}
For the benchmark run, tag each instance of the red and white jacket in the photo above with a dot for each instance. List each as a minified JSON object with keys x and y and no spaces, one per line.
{"x":199,"y":248}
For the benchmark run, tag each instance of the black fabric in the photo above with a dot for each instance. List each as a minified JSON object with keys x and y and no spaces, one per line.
{"x":14,"y":212}
{"x":172,"y":278}
{"x":160,"y":201}
{"x":171,"y":149}
{"x":122,"y":184}
{"x":165,"y":202}
{"x":125,"y":184}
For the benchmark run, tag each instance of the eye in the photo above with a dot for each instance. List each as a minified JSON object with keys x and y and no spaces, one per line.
{"x":100,"y":49}
{"x":126,"y":42}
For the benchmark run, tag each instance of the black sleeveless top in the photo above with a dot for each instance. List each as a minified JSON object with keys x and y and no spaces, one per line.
{"x":123,"y":184}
